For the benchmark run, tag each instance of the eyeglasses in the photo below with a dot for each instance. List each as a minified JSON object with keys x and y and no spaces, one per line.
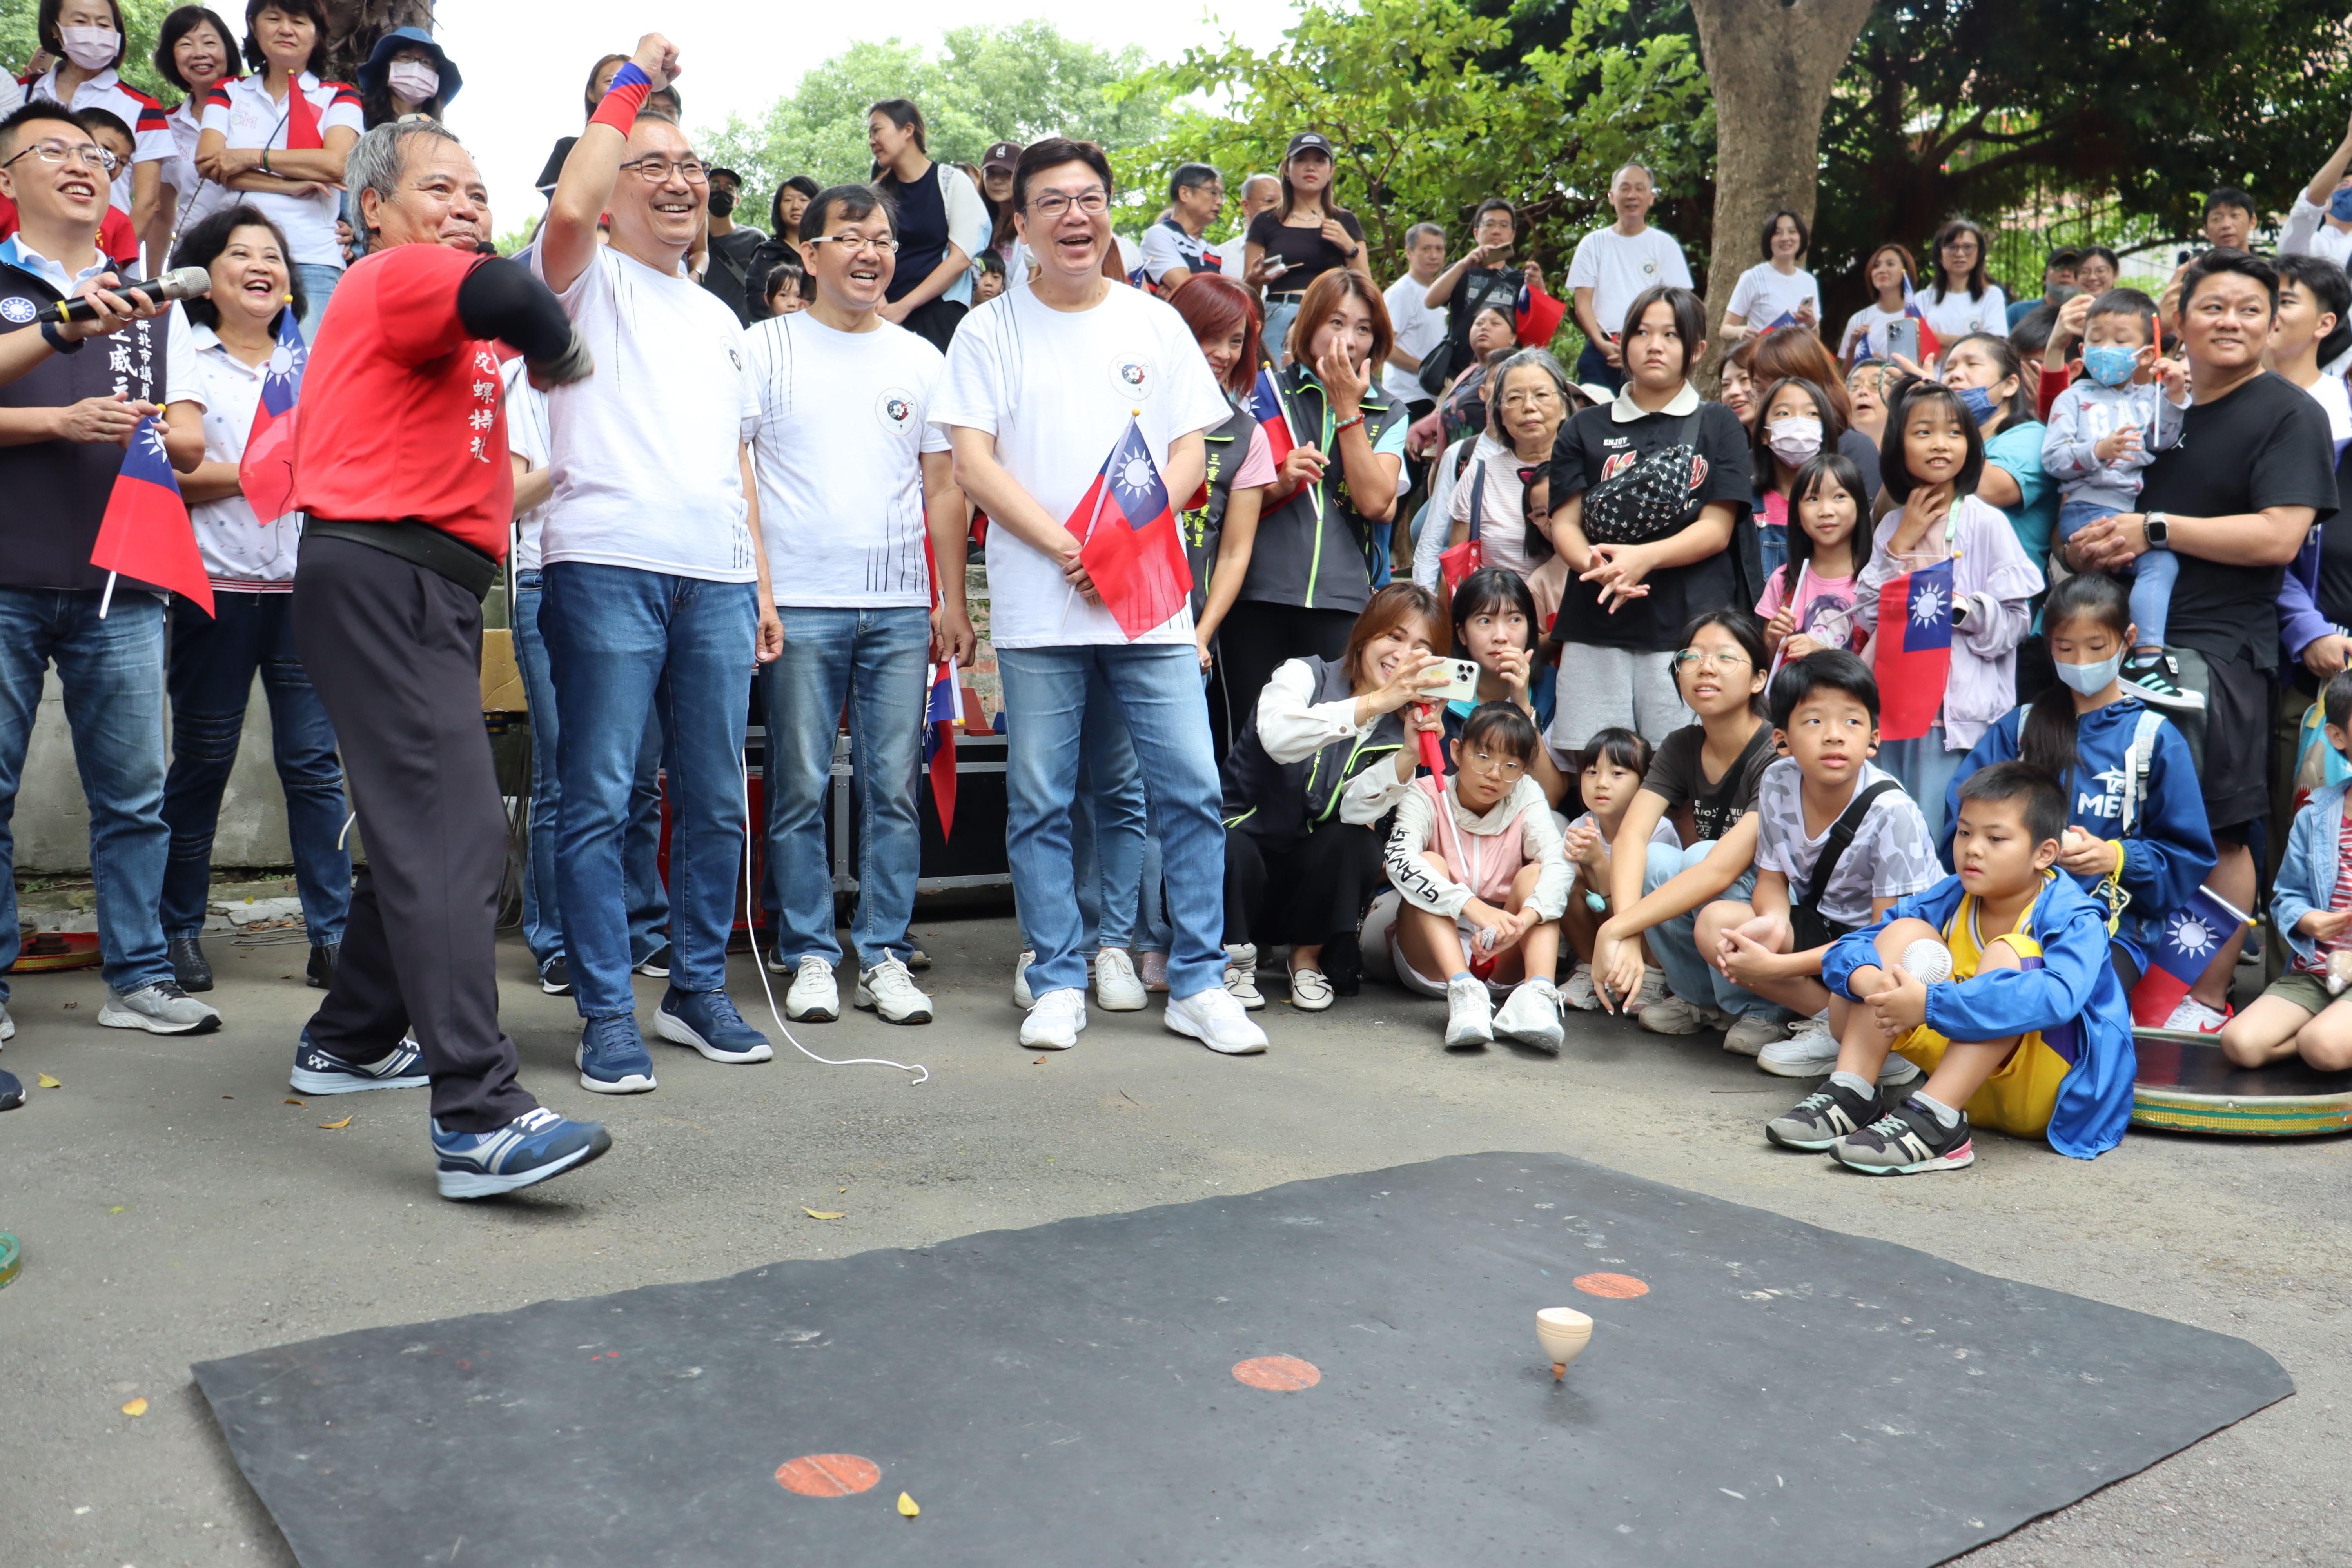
{"x":654,"y":169}
{"x":1497,"y":767}
{"x":851,"y":244}
{"x":1054,"y":204}
{"x":88,"y":155}
{"x":1722,"y":658}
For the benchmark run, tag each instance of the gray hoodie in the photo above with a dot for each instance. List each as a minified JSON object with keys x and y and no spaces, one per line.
{"x":2087,"y":413}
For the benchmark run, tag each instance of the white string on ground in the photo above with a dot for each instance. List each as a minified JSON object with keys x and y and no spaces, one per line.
{"x":760,"y":960}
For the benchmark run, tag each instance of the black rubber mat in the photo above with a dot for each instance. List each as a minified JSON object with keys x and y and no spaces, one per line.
{"x":1774,"y":1394}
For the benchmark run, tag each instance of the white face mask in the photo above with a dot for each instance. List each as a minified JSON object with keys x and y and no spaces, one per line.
{"x":92,"y":48}
{"x":1794,"y":441}
{"x":413,"y":80}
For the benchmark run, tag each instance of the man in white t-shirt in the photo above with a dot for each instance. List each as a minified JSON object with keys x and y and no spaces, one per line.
{"x":655,"y":584}
{"x":1417,"y":327}
{"x":1612,"y":265}
{"x":1042,"y":384}
{"x":1259,"y":191}
{"x":852,"y":481}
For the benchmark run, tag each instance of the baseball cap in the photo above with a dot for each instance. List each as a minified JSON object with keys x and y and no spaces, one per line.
{"x":1308,"y":140}
{"x":1005,"y":155}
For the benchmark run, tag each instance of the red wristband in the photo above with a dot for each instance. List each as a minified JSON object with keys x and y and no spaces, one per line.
{"x":627,"y":95}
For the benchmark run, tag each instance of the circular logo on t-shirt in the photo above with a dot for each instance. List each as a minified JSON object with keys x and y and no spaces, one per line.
{"x":1649,"y":267}
{"x":1133,"y":375}
{"x":18,"y":309}
{"x":895,"y":409}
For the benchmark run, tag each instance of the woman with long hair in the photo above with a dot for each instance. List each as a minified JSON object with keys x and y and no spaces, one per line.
{"x":781,"y":247}
{"x":939,"y":212}
{"x":1302,"y":236}
{"x":1890,"y":272}
{"x":1960,"y":300}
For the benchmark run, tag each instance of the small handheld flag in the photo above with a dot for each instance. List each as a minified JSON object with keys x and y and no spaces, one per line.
{"x":266,"y":472}
{"x":146,"y":533}
{"x":1911,"y":651}
{"x":1538,"y":316}
{"x":940,"y":715}
{"x":1781,"y":323}
{"x":2192,"y":936}
{"x":1130,"y":544}
{"x":1272,"y":414}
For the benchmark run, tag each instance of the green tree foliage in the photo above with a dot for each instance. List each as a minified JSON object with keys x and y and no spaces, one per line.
{"x":18,"y":39}
{"x":1433,"y":108}
{"x":1014,"y":84}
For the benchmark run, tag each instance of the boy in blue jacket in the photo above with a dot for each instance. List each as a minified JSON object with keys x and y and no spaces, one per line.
{"x":2031,"y":1035}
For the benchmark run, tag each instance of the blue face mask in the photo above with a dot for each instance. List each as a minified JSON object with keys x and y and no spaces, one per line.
{"x":2090,"y":679}
{"x":1977,"y":400}
{"x":2110,"y":364}
{"x":2339,"y":206}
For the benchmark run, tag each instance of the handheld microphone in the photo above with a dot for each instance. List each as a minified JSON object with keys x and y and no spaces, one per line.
{"x":180,"y":283}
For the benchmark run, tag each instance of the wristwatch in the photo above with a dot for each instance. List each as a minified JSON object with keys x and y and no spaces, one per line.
{"x":59,"y":340}
{"x":2157,"y":528}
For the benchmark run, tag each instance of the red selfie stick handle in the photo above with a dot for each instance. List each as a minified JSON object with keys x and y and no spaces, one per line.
{"x":1432,"y":756}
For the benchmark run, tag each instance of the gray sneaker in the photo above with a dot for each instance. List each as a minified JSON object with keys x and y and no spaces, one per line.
{"x":161,"y":1008}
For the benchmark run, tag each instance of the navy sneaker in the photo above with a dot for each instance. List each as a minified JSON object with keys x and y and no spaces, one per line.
{"x":555,"y":977}
{"x":12,"y":1091}
{"x":707,"y":1021}
{"x":532,"y":1147}
{"x":613,"y":1058}
{"x":316,"y":1072}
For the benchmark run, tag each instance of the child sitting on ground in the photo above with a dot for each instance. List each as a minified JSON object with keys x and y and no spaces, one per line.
{"x":2304,"y":1012}
{"x":1610,"y":768}
{"x":2029,"y":1034}
{"x":2104,"y":430}
{"x":1476,"y":860}
{"x":1837,"y":843}
{"x":1808,"y":602}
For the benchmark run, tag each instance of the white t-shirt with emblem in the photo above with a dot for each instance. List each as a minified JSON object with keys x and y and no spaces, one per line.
{"x":1764,"y":294}
{"x":1618,"y":266}
{"x":198,"y":368}
{"x":838,"y":452}
{"x":647,"y":451}
{"x":1955,"y":316}
{"x":1055,"y":388}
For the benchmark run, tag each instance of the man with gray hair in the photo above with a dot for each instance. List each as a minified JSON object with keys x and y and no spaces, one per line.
{"x":1259,"y":191}
{"x":1418,"y":327}
{"x":401,"y":470}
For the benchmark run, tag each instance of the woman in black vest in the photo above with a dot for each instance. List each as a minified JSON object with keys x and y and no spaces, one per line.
{"x":935,"y":205}
{"x":1319,"y":763}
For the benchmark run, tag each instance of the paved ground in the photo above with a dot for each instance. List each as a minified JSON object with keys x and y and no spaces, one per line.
{"x":174,"y":1209}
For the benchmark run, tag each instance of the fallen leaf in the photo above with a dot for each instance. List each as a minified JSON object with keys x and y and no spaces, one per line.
{"x":46,"y":1082}
{"x":296,"y":1103}
{"x":136,"y":1407}
{"x":1038,"y":1063}
{"x":228,"y":1097}
{"x":815,"y":1213}
{"x":907,"y":1506}
{"x":334,"y":1126}
{"x":120,"y":1208}
{"x":844,"y":1189}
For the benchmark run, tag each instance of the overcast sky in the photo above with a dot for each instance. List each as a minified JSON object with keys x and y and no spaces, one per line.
{"x":525,"y":64}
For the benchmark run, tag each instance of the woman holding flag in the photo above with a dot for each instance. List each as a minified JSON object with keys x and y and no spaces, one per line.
{"x":230,"y":355}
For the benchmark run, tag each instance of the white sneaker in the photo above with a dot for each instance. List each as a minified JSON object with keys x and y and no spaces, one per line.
{"x":1217,"y":1020}
{"x":1117,"y":986}
{"x":1054,"y":1023}
{"x":1469,"y":1013}
{"x":1021,"y":996}
{"x":1649,"y":993}
{"x":1530,"y":1015}
{"x":891,"y":994}
{"x":1898,"y":1071}
{"x":1579,"y":993}
{"x":2192,"y":1016}
{"x":1673,"y":1015}
{"x":161,"y":1008}
{"x":1748,"y":1034}
{"x":1810,"y":1052}
{"x":814,"y":998}
{"x":1241,"y":975}
{"x":1310,"y":990}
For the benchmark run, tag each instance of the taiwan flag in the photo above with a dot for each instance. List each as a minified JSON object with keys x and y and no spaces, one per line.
{"x":2191,"y":937}
{"x":1787,"y":318}
{"x":1272,"y":415}
{"x":1537,"y":317}
{"x":1128,"y":541}
{"x":146,"y":533}
{"x":266,"y":472}
{"x":939,"y":742}
{"x":1913,"y":650}
{"x":1930,"y":345}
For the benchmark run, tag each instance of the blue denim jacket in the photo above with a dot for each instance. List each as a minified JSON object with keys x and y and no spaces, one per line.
{"x":2306,"y":878}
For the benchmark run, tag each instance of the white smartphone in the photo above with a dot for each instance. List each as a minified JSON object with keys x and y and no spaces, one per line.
{"x":1462,"y":683}
{"x":1902,"y":339}
{"x":1277,"y":270}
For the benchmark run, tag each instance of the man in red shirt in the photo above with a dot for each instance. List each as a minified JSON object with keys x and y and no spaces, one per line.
{"x":401,"y":467}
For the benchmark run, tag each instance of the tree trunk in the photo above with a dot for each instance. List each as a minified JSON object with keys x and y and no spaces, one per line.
{"x":354,"y":26}
{"x":1770,"y":63}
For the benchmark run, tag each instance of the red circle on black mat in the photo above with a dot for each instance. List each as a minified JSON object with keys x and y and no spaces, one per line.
{"x":828,"y":1475}
{"x":1277,"y":1374}
{"x":1616,"y":1286}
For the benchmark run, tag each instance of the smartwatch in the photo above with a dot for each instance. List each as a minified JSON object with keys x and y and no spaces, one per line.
{"x":2157,"y":528}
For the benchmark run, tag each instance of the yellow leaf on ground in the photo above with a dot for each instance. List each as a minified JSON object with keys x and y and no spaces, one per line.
{"x":298,"y":1102}
{"x":136,"y":1407}
{"x":907,"y":1506}
{"x":334,"y":1126}
{"x":815,"y":1214}
{"x":46,"y":1082}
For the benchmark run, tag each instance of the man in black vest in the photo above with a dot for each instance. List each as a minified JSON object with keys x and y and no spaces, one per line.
{"x":67,"y":404}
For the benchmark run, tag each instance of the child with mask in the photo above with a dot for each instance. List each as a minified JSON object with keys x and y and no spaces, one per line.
{"x":2103,"y":431}
{"x":1800,"y":422}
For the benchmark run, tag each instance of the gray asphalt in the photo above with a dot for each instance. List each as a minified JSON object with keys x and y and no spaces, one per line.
{"x":175,"y":1209}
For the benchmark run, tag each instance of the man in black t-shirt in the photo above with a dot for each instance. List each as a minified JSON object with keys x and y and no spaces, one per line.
{"x":1485,"y":276}
{"x":732,"y":245}
{"x":2253,"y":471}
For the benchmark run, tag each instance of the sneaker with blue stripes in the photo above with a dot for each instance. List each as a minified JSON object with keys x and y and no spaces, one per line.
{"x":532,"y":1147}
{"x":707,"y":1021}
{"x":317,"y":1072}
{"x":613,"y":1058}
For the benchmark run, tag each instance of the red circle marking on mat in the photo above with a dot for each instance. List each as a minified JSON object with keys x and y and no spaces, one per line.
{"x":1277,"y":1374}
{"x":1616,"y":1286}
{"x":828,"y":1475}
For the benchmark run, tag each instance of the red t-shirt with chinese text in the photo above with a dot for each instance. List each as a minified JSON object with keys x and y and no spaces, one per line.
{"x":401,"y":415}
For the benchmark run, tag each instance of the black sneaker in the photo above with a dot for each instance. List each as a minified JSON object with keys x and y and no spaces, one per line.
{"x":316,"y":1072}
{"x":324,"y":955}
{"x":655,"y":964}
{"x":1824,"y":1116}
{"x":2155,"y":679}
{"x":188,"y":965}
{"x":1905,"y":1142}
{"x":555,"y":977}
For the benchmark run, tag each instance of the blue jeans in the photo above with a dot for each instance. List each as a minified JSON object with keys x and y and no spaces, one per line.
{"x":1592,"y":366}
{"x":873,"y":659}
{"x":2152,"y":575}
{"x":112,"y":670}
{"x":1108,"y":834}
{"x":1279,"y":314}
{"x":1152,"y":932}
{"x":542,"y":904}
{"x":1773,"y":546}
{"x":1158,"y":689}
{"x":622,"y":643}
{"x":318,"y":281}
{"x":1675,"y":944}
{"x":210,"y":677}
